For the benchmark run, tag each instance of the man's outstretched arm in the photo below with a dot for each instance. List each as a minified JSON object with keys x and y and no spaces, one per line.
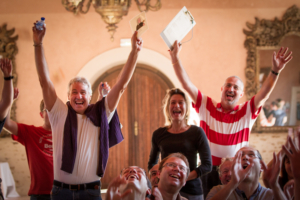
{"x":7,"y":92}
{"x":49,"y":94}
{"x":181,"y":73}
{"x":125,"y":75}
{"x":280,"y":59}
{"x":10,"y":124}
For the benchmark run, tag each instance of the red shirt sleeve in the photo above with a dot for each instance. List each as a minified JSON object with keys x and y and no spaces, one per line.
{"x":198,"y":103}
{"x":20,"y":137}
{"x":254,"y":112}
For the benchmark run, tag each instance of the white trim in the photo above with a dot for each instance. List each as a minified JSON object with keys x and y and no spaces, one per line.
{"x":118,"y":56}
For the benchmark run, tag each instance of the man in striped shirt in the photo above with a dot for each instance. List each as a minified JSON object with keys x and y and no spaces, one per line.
{"x":227,"y":125}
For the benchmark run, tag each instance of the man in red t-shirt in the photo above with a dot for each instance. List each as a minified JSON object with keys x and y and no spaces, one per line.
{"x":38,"y":146}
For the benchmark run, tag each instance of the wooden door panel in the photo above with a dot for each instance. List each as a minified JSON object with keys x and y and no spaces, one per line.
{"x":141,"y":103}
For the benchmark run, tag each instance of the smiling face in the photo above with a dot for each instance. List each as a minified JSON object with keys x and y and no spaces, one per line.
{"x":232,"y":91}
{"x":250,"y":155}
{"x":136,"y":179}
{"x":154,"y":175}
{"x":225,"y":172}
{"x":79,"y":97}
{"x":177,"y":108}
{"x":173,"y":174}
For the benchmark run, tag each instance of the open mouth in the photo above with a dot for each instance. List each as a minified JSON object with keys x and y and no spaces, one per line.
{"x":230,"y":96}
{"x":175,"y":176}
{"x":79,"y":102}
{"x":245,"y":166}
{"x":132,"y":177}
{"x":176,"y":112}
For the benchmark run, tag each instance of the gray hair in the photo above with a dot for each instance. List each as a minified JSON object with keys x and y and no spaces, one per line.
{"x":222,"y":162}
{"x":82,"y":80}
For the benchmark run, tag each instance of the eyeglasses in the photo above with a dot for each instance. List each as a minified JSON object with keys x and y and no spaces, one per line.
{"x":127,"y":170}
{"x":173,"y":165}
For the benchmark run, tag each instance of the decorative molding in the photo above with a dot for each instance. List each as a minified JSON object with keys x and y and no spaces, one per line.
{"x":9,"y":49}
{"x":267,"y":33}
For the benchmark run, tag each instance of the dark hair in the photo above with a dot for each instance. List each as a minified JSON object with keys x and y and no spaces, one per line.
{"x":176,"y":155}
{"x":284,"y":174}
{"x":275,"y":103}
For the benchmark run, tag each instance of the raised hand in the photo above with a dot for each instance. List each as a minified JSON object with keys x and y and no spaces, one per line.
{"x":271,"y":173}
{"x":102,"y":85}
{"x":16,"y":93}
{"x":238,"y":172}
{"x":38,"y":35}
{"x":294,"y":157}
{"x":136,"y":43}
{"x":113,"y":192}
{"x":6,"y":67}
{"x":289,"y":189}
{"x":174,"y":52}
{"x":281,"y":59}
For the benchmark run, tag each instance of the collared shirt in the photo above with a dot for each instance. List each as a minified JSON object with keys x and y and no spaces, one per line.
{"x":226,"y":132}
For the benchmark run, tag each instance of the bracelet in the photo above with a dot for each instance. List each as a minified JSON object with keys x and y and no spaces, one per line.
{"x":175,"y":63}
{"x":274,"y":73}
{"x":8,"y":78}
{"x":36,"y":45}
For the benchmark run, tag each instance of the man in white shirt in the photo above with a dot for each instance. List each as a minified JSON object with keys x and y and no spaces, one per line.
{"x":80,"y":146}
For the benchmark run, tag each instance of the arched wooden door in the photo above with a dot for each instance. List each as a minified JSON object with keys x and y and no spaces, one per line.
{"x":140,"y":112}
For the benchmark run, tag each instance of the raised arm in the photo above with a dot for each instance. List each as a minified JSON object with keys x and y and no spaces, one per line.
{"x":181,"y":73}
{"x":238,"y":175}
{"x":280,"y":59}
{"x":11,"y":125}
{"x":294,"y":157}
{"x":125,"y":75}
{"x":7,"y":92}
{"x":49,"y":94}
{"x":271,"y":175}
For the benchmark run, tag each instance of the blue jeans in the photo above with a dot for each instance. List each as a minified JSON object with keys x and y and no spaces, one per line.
{"x":40,"y":197}
{"x":59,"y":193}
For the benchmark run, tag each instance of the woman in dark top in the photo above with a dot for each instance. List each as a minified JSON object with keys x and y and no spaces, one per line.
{"x":180,"y":137}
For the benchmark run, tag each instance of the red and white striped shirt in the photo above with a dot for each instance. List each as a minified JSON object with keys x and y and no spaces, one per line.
{"x":226,"y":132}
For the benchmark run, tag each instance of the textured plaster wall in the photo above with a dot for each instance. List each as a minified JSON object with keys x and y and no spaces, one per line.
{"x":215,"y":52}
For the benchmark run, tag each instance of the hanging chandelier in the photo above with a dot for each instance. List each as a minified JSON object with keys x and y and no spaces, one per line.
{"x":111,"y":11}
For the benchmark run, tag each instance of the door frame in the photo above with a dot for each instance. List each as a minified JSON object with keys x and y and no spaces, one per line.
{"x":118,"y":56}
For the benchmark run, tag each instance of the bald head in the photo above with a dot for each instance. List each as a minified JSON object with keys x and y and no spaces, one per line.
{"x":240,"y":82}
